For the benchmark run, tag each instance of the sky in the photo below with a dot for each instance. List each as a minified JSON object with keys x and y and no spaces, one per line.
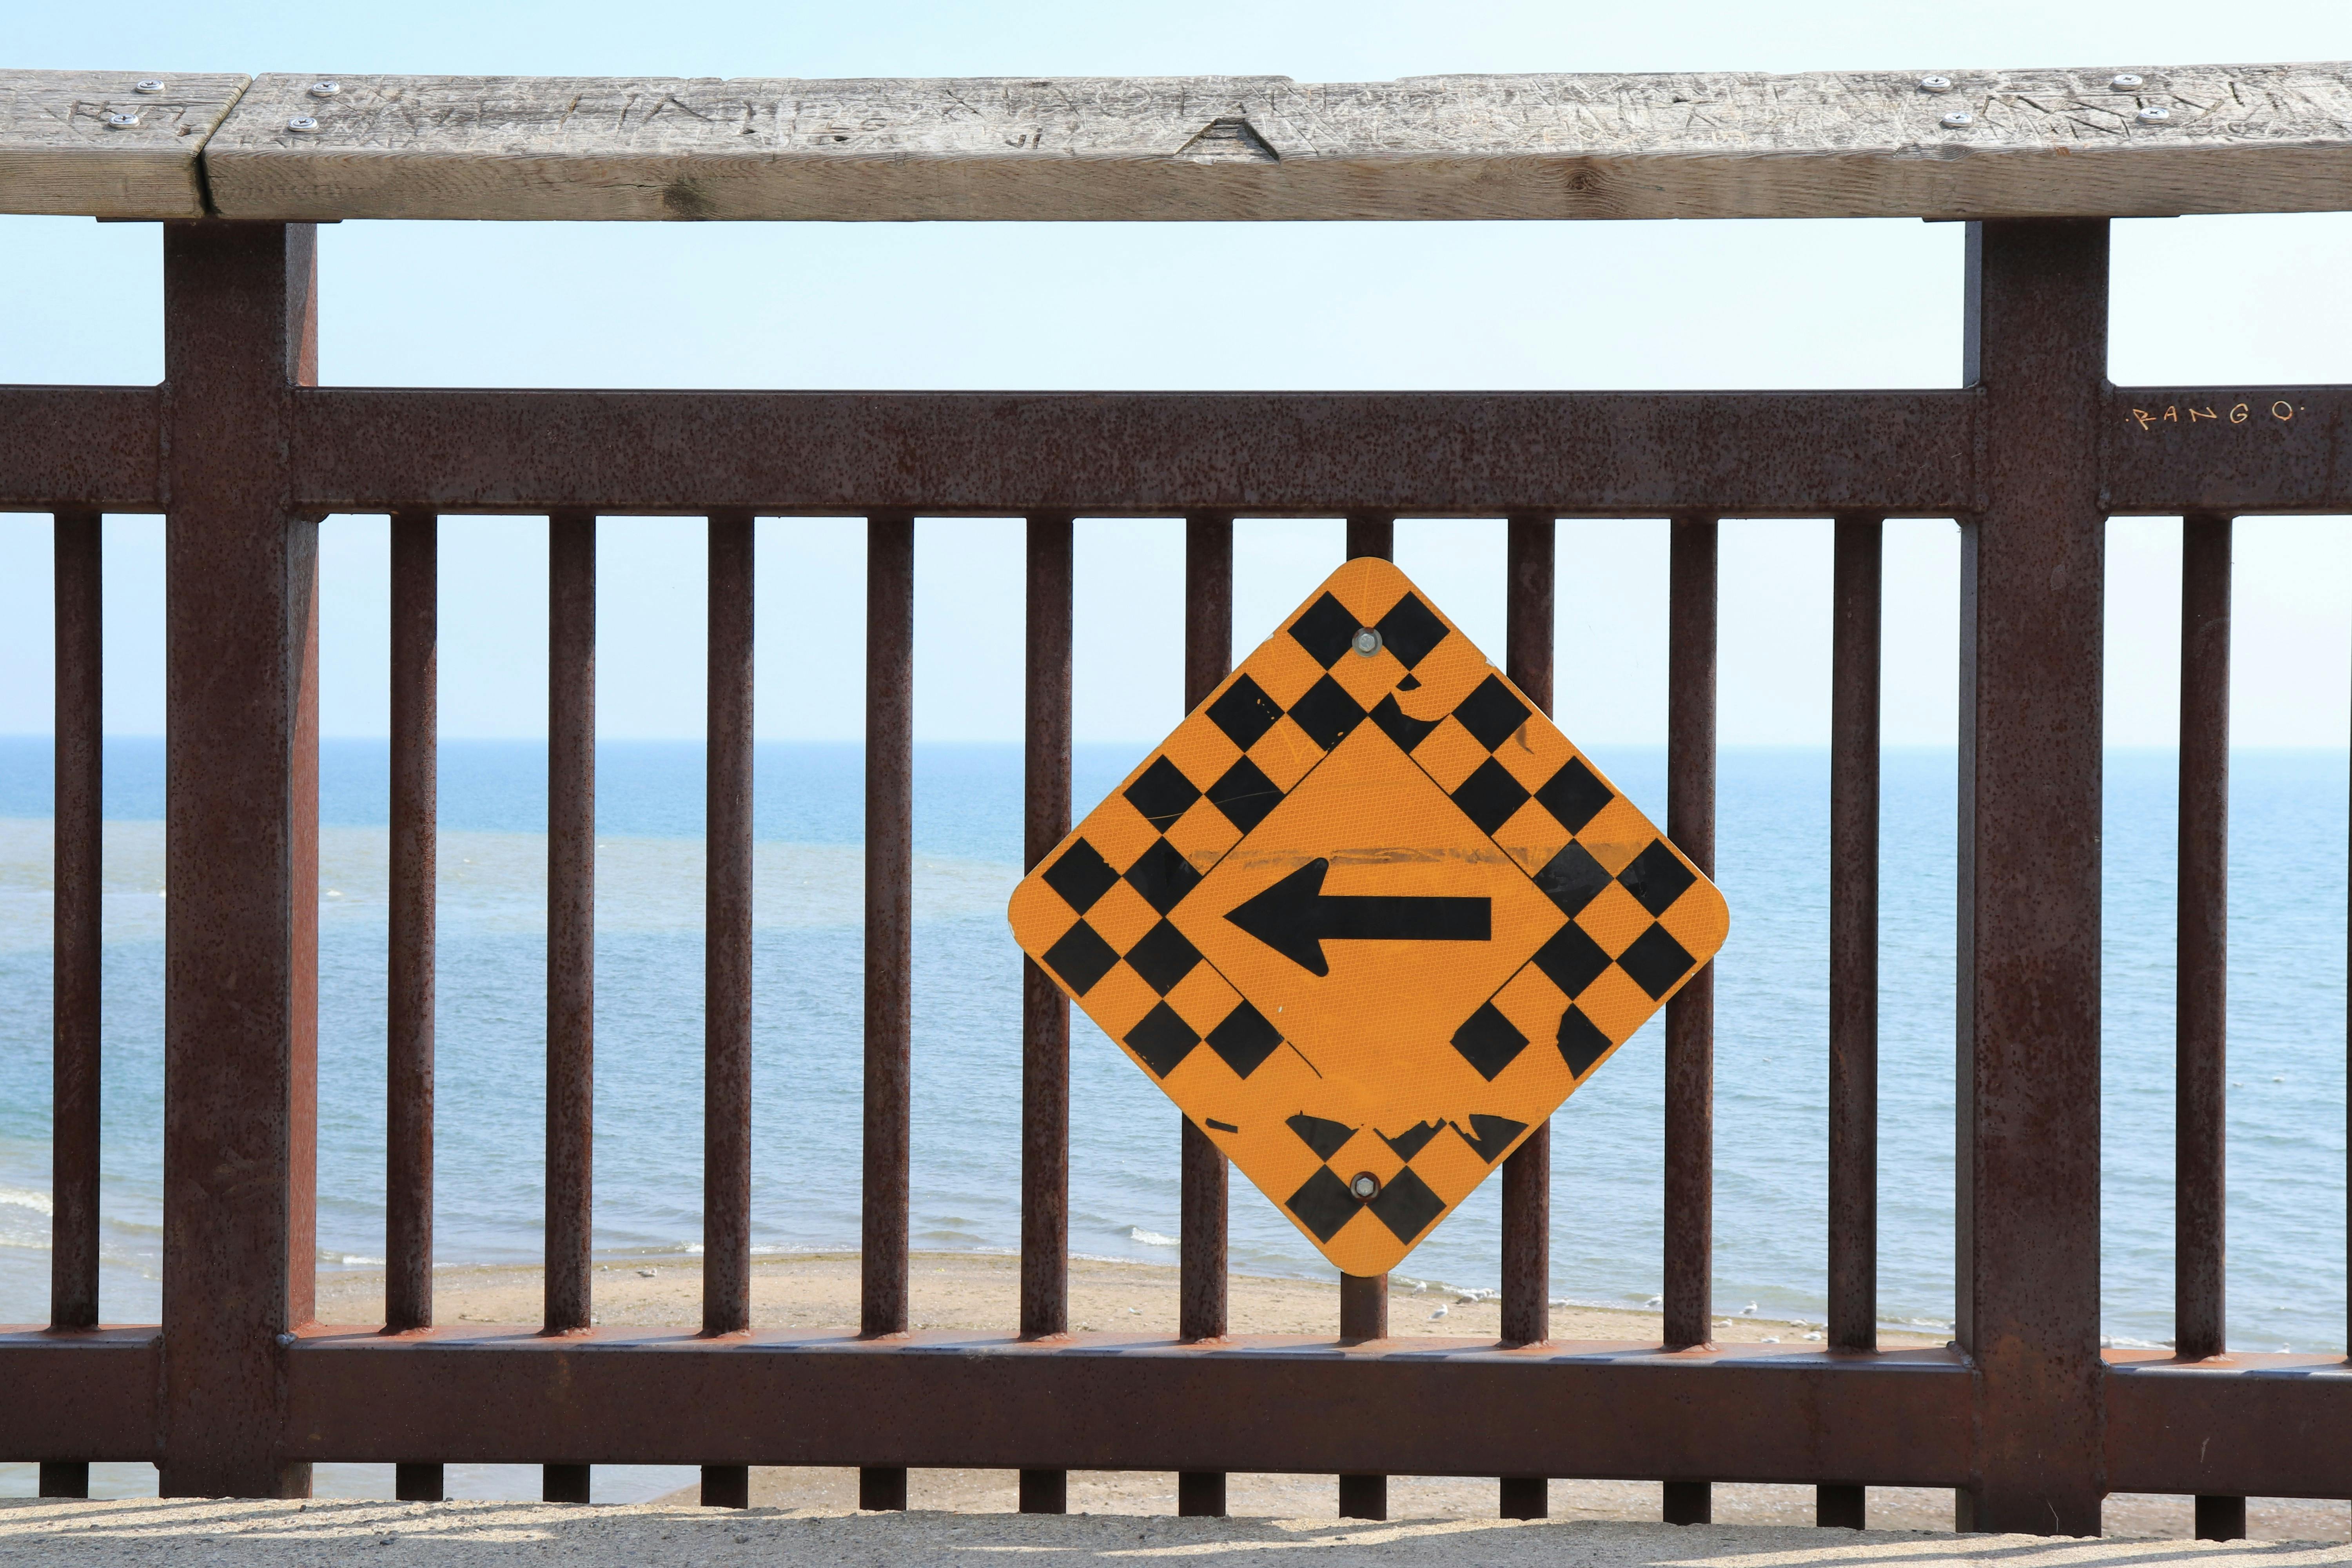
{"x":1336,"y":306}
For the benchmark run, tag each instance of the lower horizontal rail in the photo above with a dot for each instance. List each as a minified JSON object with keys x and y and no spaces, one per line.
{"x":1106,"y":1402}
{"x":2272,"y":1425}
{"x":1090,"y":1402}
{"x":81,"y":1394}
{"x":2235,"y":1426}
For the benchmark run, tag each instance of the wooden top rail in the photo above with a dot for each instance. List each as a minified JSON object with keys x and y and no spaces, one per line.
{"x":92,"y":143}
{"x":2113,"y":141}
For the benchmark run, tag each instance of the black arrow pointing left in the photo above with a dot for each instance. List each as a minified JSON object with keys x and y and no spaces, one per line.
{"x":1296,"y":917}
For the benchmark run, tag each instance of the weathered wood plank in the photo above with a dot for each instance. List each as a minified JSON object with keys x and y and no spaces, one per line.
{"x":61,"y":150}
{"x":2233,"y":139}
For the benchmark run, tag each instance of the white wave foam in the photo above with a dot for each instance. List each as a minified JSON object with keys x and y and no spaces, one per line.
{"x":25,"y":1216}
{"x":1149,"y":1237}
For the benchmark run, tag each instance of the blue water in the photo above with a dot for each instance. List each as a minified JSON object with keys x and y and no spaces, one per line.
{"x":2287,"y":1019}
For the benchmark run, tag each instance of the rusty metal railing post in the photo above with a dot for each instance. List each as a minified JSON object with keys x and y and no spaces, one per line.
{"x":1856,"y":594}
{"x":1372,"y":534}
{"x":1203,"y":1177}
{"x":570,"y":946}
{"x":75,"y":951}
{"x":409,"y":949}
{"x":2033,"y":582}
{"x":1689,"y":1262}
{"x":2200,"y":1134}
{"x":241,"y":1030}
{"x":1364,"y":1297}
{"x":1045,"y":1011}
{"x":890,"y":947}
{"x":1363,"y":1318}
{"x":727,"y":958}
{"x":1531,"y":573}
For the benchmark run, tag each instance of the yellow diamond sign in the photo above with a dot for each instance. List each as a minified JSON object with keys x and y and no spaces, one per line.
{"x":1368,"y":918}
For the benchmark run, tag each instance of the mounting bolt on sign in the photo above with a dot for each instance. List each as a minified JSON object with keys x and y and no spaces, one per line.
{"x":1368,"y":918}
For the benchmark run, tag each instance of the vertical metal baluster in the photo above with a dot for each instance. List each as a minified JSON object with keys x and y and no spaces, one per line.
{"x":302,"y":1060}
{"x":1363,"y":1318}
{"x":570,"y":942}
{"x":1855,"y":641}
{"x":1200,"y":1285}
{"x":1690,"y":1015}
{"x":726,"y":961}
{"x":79,"y":879}
{"x":889,"y":944}
{"x":2033,"y":576}
{"x":408,"y":979}
{"x":240,"y":945}
{"x":1045,"y":1011}
{"x":2200,"y":1273}
{"x":1531,"y":571}
{"x":1364,"y":1297}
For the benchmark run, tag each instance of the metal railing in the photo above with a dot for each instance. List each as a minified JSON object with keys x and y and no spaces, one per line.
{"x":239,"y":1391}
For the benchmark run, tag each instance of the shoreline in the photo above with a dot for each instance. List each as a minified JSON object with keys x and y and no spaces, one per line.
{"x":981,"y":1290}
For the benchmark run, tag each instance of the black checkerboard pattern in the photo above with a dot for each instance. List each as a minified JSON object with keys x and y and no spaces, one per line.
{"x":1407,"y":1205}
{"x":1161,"y":957}
{"x":1245,"y":797}
{"x":1572,"y":879}
{"x":1491,"y":796}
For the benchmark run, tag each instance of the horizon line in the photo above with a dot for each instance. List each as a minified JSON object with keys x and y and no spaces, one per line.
{"x":1014,"y":744}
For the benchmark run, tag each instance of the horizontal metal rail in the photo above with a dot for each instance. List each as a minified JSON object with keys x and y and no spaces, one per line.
{"x":2240,"y":449}
{"x":67,"y":447}
{"x":2278,"y":1426}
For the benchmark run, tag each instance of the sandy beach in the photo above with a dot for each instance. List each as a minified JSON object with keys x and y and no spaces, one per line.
{"x":983,"y":1291}
{"x":971,"y":1290}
